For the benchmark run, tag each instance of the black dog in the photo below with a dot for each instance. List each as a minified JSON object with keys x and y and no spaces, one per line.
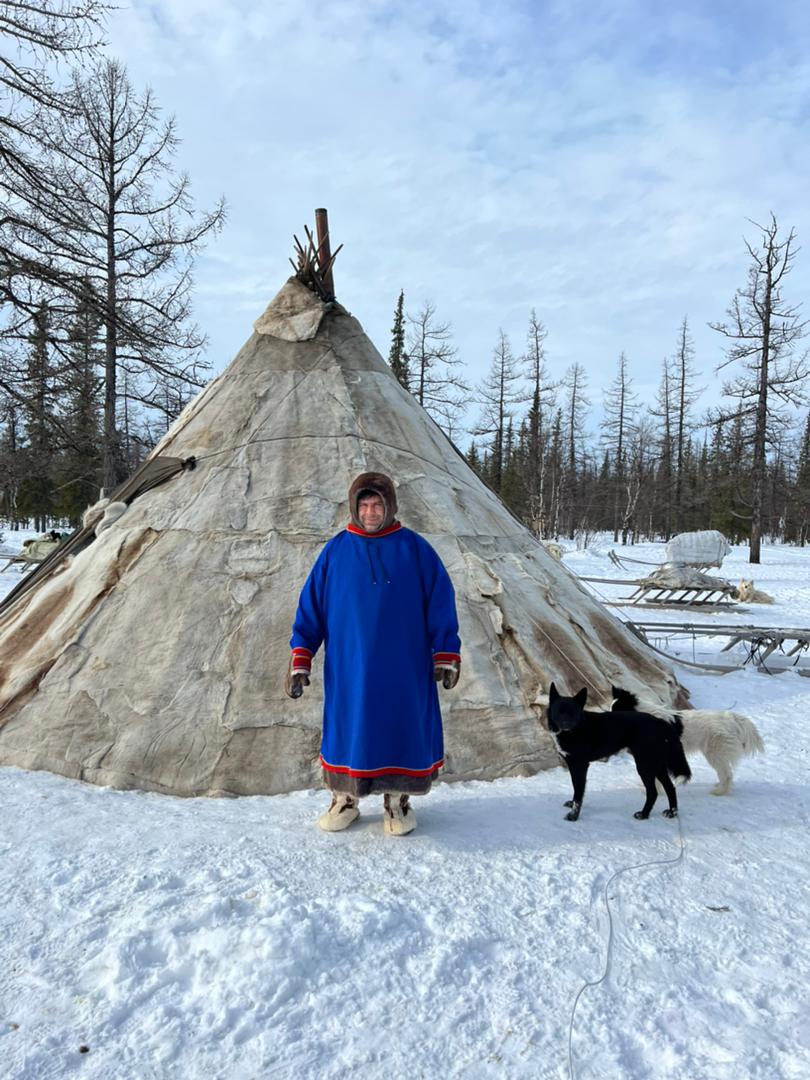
{"x":583,"y":737}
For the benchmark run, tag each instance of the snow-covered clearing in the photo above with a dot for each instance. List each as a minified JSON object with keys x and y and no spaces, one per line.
{"x":233,"y":939}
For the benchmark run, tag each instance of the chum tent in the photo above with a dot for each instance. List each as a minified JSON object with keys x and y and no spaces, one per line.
{"x":153,"y":655}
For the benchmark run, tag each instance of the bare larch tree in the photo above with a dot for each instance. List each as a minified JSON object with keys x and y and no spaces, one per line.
{"x":34,"y":37}
{"x":685,"y":394}
{"x":575,"y":409}
{"x":432,"y":365}
{"x":497,"y":395}
{"x":127,"y":220}
{"x":763,"y":329}
{"x":620,"y":407}
{"x":662,"y":412}
{"x":542,"y":392}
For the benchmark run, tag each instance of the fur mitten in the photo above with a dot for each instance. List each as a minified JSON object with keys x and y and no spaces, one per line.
{"x":446,"y":669}
{"x":298,"y":673}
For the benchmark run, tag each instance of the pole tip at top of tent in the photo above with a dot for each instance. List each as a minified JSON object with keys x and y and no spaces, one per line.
{"x":315,"y":260}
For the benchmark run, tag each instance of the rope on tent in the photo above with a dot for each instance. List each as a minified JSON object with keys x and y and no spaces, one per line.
{"x":565,"y":657}
{"x":363,"y":438}
{"x":609,"y":948}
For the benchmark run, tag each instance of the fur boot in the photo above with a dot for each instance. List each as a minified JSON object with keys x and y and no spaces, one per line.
{"x":342,"y":811}
{"x":399,"y":818}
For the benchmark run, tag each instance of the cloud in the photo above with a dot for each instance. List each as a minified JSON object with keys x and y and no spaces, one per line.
{"x":595,"y":161}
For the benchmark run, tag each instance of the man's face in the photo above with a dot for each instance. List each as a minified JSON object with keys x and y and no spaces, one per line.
{"x":371,"y":511}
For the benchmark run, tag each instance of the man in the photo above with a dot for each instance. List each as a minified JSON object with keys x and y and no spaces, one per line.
{"x":380,"y":600}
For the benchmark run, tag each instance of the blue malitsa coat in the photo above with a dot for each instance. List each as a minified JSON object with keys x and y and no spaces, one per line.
{"x":383,"y":606}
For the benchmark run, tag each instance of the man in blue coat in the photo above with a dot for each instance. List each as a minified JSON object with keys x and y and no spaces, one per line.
{"x":381,"y":602}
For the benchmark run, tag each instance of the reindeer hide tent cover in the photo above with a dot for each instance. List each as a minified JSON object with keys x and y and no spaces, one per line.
{"x":154,"y":657}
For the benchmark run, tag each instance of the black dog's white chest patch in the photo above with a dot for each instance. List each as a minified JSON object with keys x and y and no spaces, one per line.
{"x":560,"y":751}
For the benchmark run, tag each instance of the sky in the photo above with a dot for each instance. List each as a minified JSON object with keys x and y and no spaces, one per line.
{"x":599,"y":162}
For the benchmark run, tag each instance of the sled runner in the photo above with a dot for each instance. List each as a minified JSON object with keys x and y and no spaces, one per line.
{"x":769,"y":649}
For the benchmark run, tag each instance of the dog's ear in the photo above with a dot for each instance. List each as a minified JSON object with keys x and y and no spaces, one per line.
{"x":582,"y":697}
{"x":552,"y":693}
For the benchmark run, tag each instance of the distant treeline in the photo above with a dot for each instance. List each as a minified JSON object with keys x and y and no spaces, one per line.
{"x":651,"y":469}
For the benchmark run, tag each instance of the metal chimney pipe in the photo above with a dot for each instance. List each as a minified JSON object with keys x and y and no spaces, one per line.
{"x":324,"y":254}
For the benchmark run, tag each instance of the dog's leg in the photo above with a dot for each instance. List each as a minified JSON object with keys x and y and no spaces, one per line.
{"x":669,"y":788}
{"x":579,"y":775}
{"x":648,"y":778}
{"x":720,"y":763}
{"x":569,"y":802}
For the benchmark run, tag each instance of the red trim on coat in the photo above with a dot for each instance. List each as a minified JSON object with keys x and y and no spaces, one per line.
{"x":357,"y":531}
{"x":393,"y":770}
{"x":301,"y":660}
{"x":446,"y":658}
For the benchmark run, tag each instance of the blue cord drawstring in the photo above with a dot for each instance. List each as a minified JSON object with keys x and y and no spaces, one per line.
{"x":372,"y":571}
{"x":382,"y":566}
{"x":370,"y":563}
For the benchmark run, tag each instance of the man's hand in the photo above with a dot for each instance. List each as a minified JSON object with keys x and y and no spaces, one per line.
{"x":294,"y":685}
{"x":446,"y":669}
{"x":298,"y":673}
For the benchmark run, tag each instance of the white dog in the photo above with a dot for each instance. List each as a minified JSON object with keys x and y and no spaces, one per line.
{"x":723,"y":737}
{"x":748,"y":593}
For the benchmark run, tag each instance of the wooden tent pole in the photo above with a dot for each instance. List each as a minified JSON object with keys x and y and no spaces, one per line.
{"x":324,"y":254}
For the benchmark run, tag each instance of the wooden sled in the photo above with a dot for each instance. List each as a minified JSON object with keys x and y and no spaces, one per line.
{"x":36,"y":552}
{"x":652,"y":595}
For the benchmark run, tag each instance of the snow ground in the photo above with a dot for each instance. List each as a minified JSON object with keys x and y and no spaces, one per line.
{"x":233,"y":939}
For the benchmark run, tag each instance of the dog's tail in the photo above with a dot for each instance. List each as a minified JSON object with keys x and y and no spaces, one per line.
{"x":625,"y":701}
{"x":750,"y":739}
{"x":677,"y":765}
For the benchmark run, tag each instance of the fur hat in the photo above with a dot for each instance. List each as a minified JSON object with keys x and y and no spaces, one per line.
{"x":381,"y":485}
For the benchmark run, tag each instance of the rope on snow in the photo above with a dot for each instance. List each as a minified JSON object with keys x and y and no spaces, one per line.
{"x":609,"y":949}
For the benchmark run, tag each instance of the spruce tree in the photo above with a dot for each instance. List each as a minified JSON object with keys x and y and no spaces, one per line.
{"x":397,"y":356}
{"x":473,"y":458}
